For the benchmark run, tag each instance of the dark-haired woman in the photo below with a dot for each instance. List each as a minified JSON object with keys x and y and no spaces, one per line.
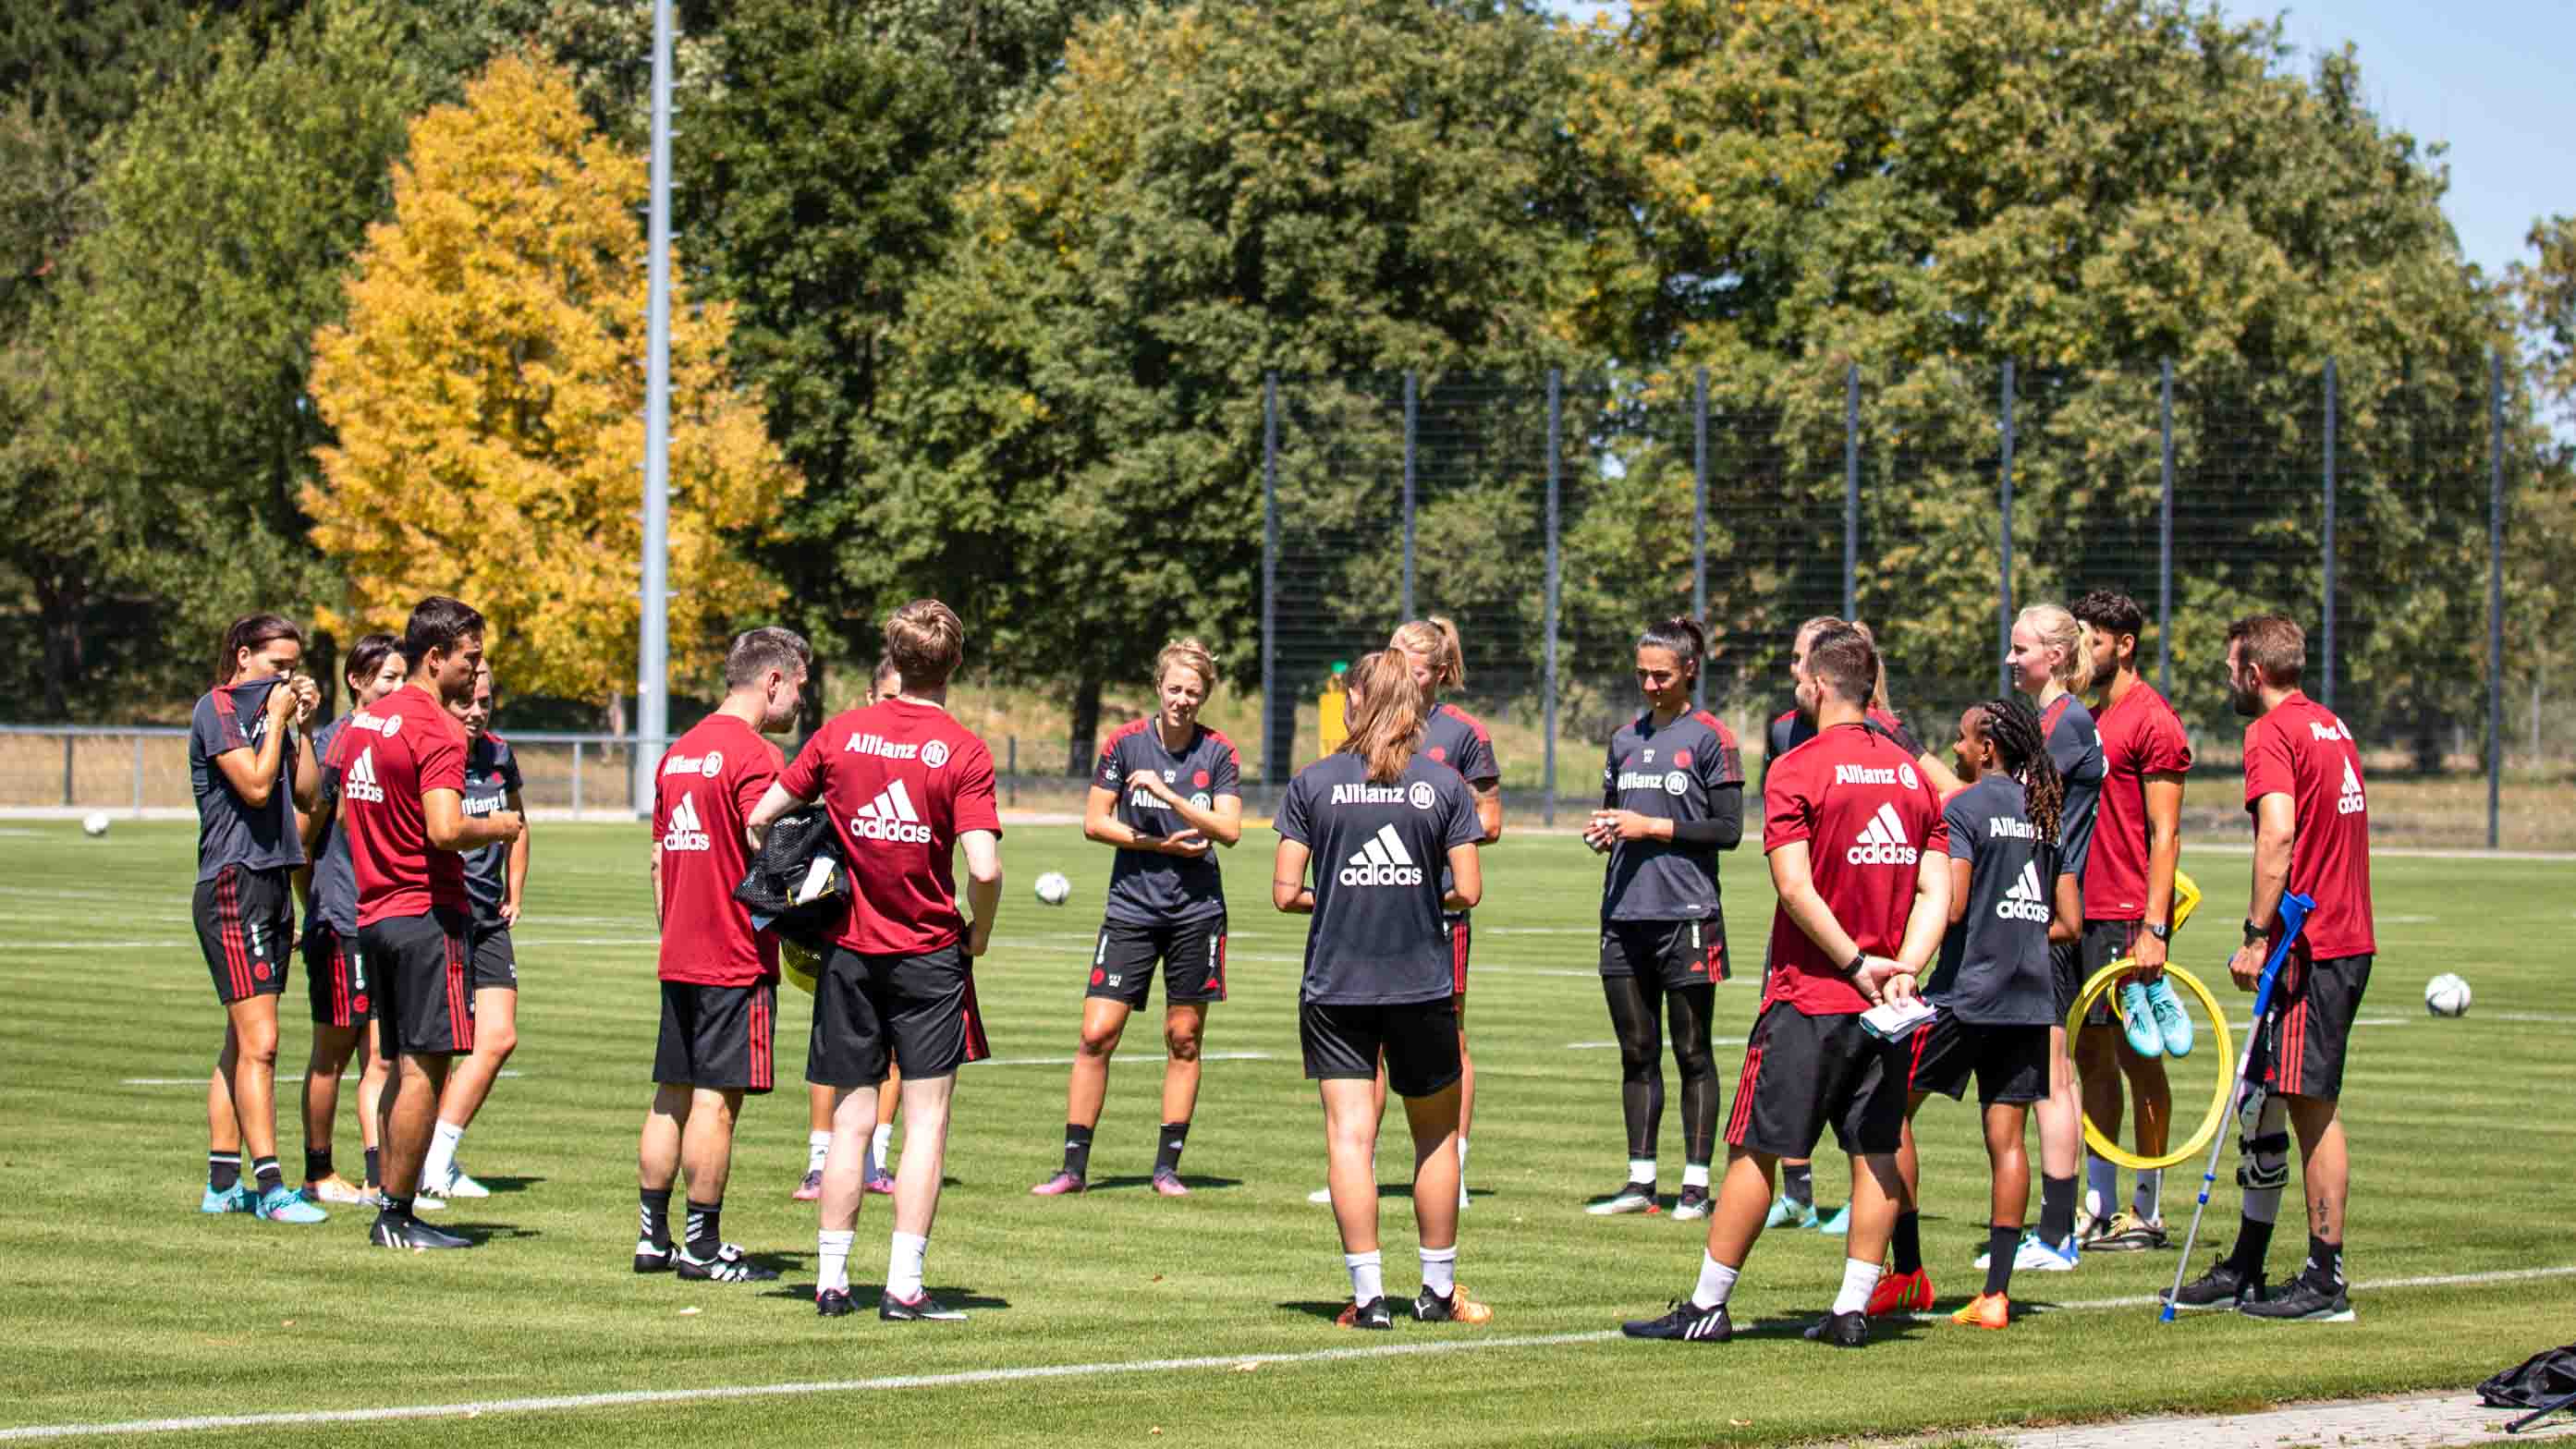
{"x":1377,"y":819}
{"x":1994,"y":990}
{"x":251,"y":770}
{"x":1672,"y":797}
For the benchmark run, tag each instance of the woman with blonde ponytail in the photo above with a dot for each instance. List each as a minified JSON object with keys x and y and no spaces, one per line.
{"x":1377,"y":820}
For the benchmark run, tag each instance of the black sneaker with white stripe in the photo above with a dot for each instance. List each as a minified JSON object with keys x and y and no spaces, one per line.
{"x":1685,"y":1322}
{"x":2305,"y":1301}
{"x":727,"y":1266}
{"x":920,"y":1308}
{"x":2221,"y":1287}
{"x":652,"y":1257}
{"x":391,"y":1231}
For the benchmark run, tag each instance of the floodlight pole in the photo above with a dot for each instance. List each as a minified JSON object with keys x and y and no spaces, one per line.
{"x":653,"y":674}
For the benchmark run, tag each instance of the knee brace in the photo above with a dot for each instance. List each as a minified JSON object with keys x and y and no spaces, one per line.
{"x":2263,"y":1144}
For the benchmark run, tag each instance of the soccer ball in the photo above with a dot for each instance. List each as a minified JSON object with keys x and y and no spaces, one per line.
{"x":1054,"y":889}
{"x":2446,"y":995}
{"x":94,"y":823}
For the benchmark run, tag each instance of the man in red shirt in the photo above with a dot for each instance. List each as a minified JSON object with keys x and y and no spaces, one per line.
{"x":401,"y":767}
{"x":1859,"y":857}
{"x":2128,"y":912}
{"x":906,"y":786}
{"x":719,"y":976}
{"x":2311,"y":836}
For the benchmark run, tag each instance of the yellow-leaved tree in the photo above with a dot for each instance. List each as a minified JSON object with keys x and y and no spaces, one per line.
{"x":487,"y":391}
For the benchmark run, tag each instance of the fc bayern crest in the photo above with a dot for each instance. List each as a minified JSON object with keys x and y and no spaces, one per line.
{"x":934,"y":754}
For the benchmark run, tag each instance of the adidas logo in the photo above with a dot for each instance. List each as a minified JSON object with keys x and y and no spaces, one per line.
{"x":1704,"y":1326}
{"x":890,"y":817}
{"x":2351,"y":803}
{"x":1883,"y":841}
{"x":687,"y":832}
{"x":1382,"y":862}
{"x":2024,"y":900}
{"x":360,"y":782}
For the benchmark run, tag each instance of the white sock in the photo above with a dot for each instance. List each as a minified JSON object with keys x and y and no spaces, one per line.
{"x":1716,"y":1280}
{"x":1694,"y":1174}
{"x":1858,"y":1279}
{"x":2148,"y":1201}
{"x":818,"y":1145}
{"x":1641,"y":1169}
{"x":1440,"y":1270}
{"x":434,"y":1169}
{"x":878,"y":1141}
{"x":834,"y":1250}
{"x":2101,"y":1185}
{"x":1367,"y":1280}
{"x":903,"y":1265}
{"x":1462,"y":1172}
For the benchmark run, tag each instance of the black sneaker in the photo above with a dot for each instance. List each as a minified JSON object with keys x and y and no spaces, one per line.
{"x":651,"y":1257}
{"x":1634,"y":1197}
{"x":394,"y":1232}
{"x":1686,"y":1322}
{"x":835,"y":1303}
{"x":2303,"y":1301}
{"x":1372,"y":1314}
{"x":921,"y":1308}
{"x":1693,"y":1203}
{"x":1843,"y":1330}
{"x":1430,"y":1307}
{"x":2221,"y":1287}
{"x":727,"y":1266}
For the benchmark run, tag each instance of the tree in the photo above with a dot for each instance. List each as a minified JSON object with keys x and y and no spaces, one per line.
{"x":487,"y":394}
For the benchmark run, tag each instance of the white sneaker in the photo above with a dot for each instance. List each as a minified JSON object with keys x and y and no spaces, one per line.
{"x":1321,"y":1195}
{"x":2036,"y":1256}
{"x":459,"y":1185}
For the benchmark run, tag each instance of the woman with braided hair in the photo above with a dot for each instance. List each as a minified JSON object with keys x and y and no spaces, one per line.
{"x":1992,"y":990}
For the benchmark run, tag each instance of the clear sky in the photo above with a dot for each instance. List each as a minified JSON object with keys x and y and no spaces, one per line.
{"x":2494,"y":79}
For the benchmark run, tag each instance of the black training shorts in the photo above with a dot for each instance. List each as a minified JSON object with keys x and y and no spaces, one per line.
{"x":2103,"y":943}
{"x":496,"y":962}
{"x":246,"y":923}
{"x":1192,"y":954}
{"x":2010,"y":1063}
{"x":1419,"y":1039}
{"x":2299,"y":1049}
{"x":1675,"y":953}
{"x":916,"y":1011}
{"x":335,"y":976}
{"x":418,"y":966}
{"x":1802,"y":1073}
{"x":2065,"y":976}
{"x":717,"y":1037}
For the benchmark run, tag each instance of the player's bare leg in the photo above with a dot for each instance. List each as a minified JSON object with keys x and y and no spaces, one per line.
{"x":916,"y":1199}
{"x":409,"y":1109}
{"x":1104,"y":1022}
{"x":373,"y":1078}
{"x":496,"y":1036}
{"x":1184,"y":1029}
{"x":332,"y":1048}
{"x":1466,"y":1095}
{"x":853,"y":1114}
{"x":241,"y":1096}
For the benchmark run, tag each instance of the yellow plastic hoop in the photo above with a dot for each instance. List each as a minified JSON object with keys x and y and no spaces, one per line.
{"x":2186,"y":899}
{"x":2103,"y":980}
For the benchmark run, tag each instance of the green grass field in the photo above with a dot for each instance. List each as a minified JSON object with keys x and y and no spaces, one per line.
{"x":119,"y":1302}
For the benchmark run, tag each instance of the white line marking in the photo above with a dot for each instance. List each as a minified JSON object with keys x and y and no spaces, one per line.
{"x":1612,"y":1046}
{"x":201,"y":1081}
{"x":717,"y":1393}
{"x":1068,"y":1061}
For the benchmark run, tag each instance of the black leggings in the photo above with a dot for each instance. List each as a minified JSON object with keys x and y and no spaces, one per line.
{"x":1637,"y":1004}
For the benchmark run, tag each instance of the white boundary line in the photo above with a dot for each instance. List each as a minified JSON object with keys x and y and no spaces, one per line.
{"x":628,"y":1398}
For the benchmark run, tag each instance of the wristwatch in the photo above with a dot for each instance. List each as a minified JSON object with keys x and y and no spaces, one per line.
{"x":2160,"y":931}
{"x":2255,"y":935}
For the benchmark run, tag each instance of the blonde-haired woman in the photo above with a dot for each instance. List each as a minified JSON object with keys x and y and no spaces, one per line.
{"x":1168,"y":790}
{"x":1375,"y":819}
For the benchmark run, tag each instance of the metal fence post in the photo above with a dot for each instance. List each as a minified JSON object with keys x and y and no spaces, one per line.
{"x":1699,"y":516}
{"x":68,"y":738}
{"x":2164,"y":539}
{"x":1555,"y":454}
{"x":1851,"y":491}
{"x":576,"y":779}
{"x":1412,"y":404}
{"x":2326,"y":539}
{"x":1274,"y":759}
{"x":2003,"y":571}
{"x":138,"y":777}
{"x":2495,"y":596}
{"x":1011,"y":791}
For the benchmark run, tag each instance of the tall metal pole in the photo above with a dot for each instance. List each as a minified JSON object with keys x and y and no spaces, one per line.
{"x":1851,"y":491}
{"x":1699,"y":517}
{"x":1274,"y":758}
{"x":2326,"y":540}
{"x":1412,"y":418}
{"x":2495,"y":596}
{"x":652,"y":682}
{"x":1555,"y":455}
{"x":2164,"y":543}
{"x":2003,"y":573}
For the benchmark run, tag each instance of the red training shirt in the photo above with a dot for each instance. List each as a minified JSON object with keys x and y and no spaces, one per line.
{"x":902,"y":781}
{"x":2301,"y":750}
{"x":388,"y":756}
{"x":2141,"y":736}
{"x":703,"y":790}
{"x":1868,"y":817}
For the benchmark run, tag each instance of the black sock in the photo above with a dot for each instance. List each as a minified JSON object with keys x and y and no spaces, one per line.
{"x":2001,"y":1243}
{"x":2056,"y":1209}
{"x":398,"y":1208}
{"x":223,"y":1171}
{"x":1798,"y":1182}
{"x":1167,"y":1157}
{"x":1077,"y":1151}
{"x":375,"y":1167}
{"x":1908,"y":1242}
{"x":2325,"y":1263}
{"x":2253,"y":1240}
{"x":706,"y":1230}
{"x":317,"y":1165}
{"x":263,"y":1170}
{"x":656,"y":1224}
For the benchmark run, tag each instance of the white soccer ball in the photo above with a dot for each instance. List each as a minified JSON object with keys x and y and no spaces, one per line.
{"x":1054,"y":889}
{"x":2446,"y":995}
{"x":94,"y":823}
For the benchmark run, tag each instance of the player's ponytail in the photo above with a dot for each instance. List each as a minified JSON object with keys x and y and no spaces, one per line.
{"x":252,"y":632}
{"x":2011,"y":727}
{"x":1437,"y":637}
{"x":2057,"y":628}
{"x":1386,"y":716}
{"x":1684,"y":637}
